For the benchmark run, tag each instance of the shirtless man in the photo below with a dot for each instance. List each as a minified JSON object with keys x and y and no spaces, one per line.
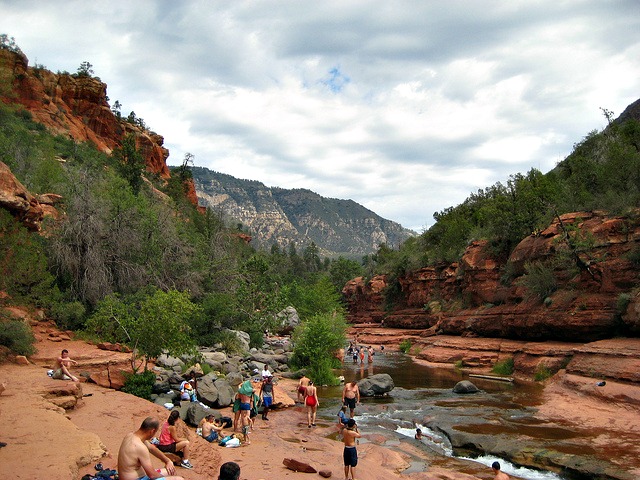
{"x":64,"y":363}
{"x":350,"y":454}
{"x":211,"y":430}
{"x":134,"y":462}
{"x":351,"y":397}
{"x":495,"y":466}
{"x":302,"y":388}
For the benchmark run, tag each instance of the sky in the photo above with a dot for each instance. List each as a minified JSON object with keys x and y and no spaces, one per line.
{"x":405,"y":107}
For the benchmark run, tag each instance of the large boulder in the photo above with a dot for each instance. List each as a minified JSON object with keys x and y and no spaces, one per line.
{"x":225,"y":393}
{"x":219,"y":357}
{"x":243,"y":338}
{"x":196,"y":412}
{"x":234,"y":379}
{"x":288,"y":319}
{"x":378,"y":384}
{"x":465,"y":386}
{"x":207,"y":390}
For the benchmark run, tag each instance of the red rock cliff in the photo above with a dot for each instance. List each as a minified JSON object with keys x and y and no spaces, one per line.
{"x":475,"y":297}
{"x":76,"y":106}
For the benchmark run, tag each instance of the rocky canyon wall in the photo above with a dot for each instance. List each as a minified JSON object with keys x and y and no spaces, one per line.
{"x":597,"y":295}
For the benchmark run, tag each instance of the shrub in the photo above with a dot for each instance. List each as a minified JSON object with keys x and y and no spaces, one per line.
{"x":539,"y":280}
{"x":18,"y":337}
{"x":622,"y":303}
{"x":504,"y":367}
{"x":140,"y":384}
{"x":229,"y":341}
{"x":316,"y":339}
{"x":405,"y":345}
{"x":542,"y":373}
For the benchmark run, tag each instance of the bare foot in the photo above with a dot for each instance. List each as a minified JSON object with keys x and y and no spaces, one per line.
{"x":2,"y":387}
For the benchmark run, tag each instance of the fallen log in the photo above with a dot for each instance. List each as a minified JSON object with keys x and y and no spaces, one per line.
{"x":492,"y":377}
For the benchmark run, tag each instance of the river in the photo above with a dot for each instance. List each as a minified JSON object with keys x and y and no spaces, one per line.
{"x":423,"y":397}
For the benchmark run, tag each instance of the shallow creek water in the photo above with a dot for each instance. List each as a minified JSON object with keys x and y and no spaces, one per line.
{"x":423,"y":394}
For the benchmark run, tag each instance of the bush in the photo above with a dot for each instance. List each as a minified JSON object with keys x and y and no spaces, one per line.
{"x":405,"y":346}
{"x":316,"y":339}
{"x":18,"y":337}
{"x":69,"y":316}
{"x":504,"y":367}
{"x":140,"y":384}
{"x":539,"y":280}
{"x":542,"y":373}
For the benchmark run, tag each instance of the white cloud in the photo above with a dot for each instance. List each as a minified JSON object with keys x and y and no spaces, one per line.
{"x":406,"y":108}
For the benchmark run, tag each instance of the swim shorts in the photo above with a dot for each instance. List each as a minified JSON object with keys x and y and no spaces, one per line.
{"x":302,"y":389}
{"x":245,"y":406}
{"x":267,"y":401}
{"x":147,"y":478}
{"x":171,"y":448}
{"x":350,"y":402}
{"x":213,"y":436}
{"x":350,"y":456}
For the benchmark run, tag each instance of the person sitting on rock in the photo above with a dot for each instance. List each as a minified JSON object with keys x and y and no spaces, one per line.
{"x":170,"y":442}
{"x":211,"y":429}
{"x":187,"y":392}
{"x":342,"y":417}
{"x":134,"y":460}
{"x":64,"y":364}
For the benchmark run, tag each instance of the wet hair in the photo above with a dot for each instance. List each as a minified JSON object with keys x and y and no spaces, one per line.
{"x":418,"y":430}
{"x":173,"y":417}
{"x":229,"y":471}
{"x":150,"y":423}
{"x":65,"y":351}
{"x":351,"y":423}
{"x":495,"y":465}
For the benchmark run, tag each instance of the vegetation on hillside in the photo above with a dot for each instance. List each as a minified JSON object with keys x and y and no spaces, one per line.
{"x":602,"y":172}
{"x":120,"y":248}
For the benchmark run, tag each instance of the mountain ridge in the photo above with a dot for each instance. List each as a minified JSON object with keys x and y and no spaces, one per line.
{"x":280,"y":216}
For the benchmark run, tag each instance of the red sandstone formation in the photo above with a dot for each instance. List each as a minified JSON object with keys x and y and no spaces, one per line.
{"x":77,"y":106}
{"x":472,"y":299}
{"x":15,"y":198}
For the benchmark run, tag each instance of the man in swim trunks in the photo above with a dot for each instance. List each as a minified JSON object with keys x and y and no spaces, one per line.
{"x":134,"y":461}
{"x":211,"y":430}
{"x":64,"y":364}
{"x":302,"y":388}
{"x":350,"y":454}
{"x":351,"y":396}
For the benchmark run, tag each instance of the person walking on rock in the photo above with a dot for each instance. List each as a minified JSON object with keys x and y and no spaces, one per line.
{"x":312,"y":402}
{"x":350,"y":454}
{"x":267,"y":395}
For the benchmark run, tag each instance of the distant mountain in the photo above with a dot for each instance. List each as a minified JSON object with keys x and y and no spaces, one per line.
{"x":299,"y":216}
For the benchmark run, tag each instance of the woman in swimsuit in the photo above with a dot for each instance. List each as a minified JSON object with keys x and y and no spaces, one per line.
{"x":311,"y":401}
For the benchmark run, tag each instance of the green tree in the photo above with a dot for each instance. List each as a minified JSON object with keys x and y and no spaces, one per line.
{"x":342,"y":270}
{"x":316,"y":340}
{"x":158,"y":324}
{"x":131,"y":164}
{"x":85,"y":70}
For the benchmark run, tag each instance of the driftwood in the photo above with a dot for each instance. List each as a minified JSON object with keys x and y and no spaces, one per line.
{"x":297,"y":466}
{"x":492,"y":377}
